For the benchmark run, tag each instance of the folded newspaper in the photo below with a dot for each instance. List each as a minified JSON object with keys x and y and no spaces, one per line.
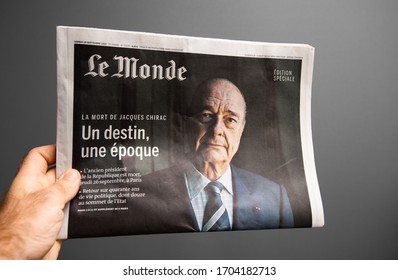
{"x":183,"y":134}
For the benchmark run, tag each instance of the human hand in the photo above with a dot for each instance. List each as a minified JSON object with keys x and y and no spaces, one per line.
{"x":32,"y":213}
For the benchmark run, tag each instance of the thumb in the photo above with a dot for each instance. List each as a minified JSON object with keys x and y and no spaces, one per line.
{"x":69,"y":183}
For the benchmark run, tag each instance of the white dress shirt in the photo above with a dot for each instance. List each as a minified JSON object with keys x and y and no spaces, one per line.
{"x":196,"y":182}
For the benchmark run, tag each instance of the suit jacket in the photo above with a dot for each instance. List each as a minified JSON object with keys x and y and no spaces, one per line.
{"x":258,"y":203}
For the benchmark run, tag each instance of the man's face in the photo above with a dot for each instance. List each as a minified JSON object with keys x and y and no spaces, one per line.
{"x":219,"y":119}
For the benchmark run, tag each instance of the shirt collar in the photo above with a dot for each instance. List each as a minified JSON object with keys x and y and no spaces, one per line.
{"x":196,"y":181}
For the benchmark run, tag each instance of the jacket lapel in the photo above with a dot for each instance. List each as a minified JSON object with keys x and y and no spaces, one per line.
{"x":248,"y":208}
{"x":178,"y":204}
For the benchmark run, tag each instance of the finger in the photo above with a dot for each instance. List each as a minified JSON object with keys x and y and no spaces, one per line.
{"x":54,"y":251}
{"x":38,"y":160}
{"x":51,"y":175}
{"x":67,"y":185}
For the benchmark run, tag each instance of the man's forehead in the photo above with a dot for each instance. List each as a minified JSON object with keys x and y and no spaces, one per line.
{"x":227,"y":100}
{"x":218,"y":93}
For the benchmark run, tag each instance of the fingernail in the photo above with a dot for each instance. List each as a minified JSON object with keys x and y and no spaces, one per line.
{"x":72,"y":176}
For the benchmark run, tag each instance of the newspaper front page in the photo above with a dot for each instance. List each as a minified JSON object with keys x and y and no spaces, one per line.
{"x":153,"y":122}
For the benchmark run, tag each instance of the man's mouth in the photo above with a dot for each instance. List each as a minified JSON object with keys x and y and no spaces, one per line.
{"x":212,"y":144}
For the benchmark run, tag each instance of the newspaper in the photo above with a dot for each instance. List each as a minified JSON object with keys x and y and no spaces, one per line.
{"x":183,"y":134}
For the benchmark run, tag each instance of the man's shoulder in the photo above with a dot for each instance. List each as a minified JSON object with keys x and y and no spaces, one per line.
{"x":164,"y":176}
{"x":253,"y":180}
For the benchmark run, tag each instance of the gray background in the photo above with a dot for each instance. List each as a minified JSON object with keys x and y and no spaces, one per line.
{"x":353,"y":112}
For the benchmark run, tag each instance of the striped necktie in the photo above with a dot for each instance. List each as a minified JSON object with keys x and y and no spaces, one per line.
{"x":215,"y":216}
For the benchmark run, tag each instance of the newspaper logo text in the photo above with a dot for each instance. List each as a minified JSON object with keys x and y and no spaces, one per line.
{"x":129,"y":68}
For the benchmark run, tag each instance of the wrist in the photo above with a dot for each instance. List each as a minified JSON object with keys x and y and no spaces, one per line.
{"x":10,"y":247}
{"x":11,"y":244}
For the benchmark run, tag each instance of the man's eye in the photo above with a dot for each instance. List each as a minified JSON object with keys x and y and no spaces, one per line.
{"x":205,"y":117}
{"x":231,"y":120}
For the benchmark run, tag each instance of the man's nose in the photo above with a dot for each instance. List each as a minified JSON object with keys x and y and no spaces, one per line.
{"x":218,"y":126}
